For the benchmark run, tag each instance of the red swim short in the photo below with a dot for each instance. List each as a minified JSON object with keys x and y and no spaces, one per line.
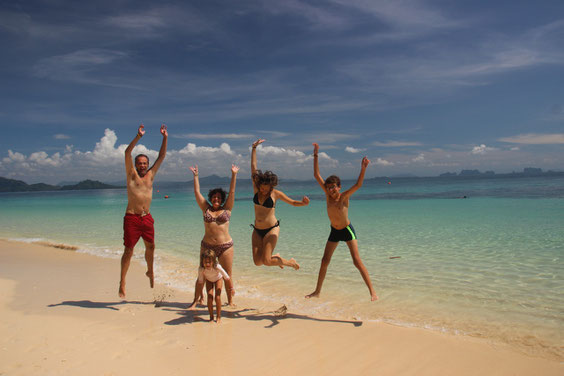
{"x":136,"y":226}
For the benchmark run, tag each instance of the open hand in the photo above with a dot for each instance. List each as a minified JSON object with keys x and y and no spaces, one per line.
{"x":234,"y":169}
{"x":194,"y":170}
{"x":258,"y":142}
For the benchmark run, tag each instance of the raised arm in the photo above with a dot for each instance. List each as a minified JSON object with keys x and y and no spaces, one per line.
{"x":279,"y":195}
{"x":363,"y":164}
{"x":316,"y":173}
{"x":231,"y":198}
{"x":254,"y":155}
{"x":162,"y":151}
{"x":129,"y":167}
{"x":200,"y":199}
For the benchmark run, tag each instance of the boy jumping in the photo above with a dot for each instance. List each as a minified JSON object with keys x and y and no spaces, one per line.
{"x":341,"y":228}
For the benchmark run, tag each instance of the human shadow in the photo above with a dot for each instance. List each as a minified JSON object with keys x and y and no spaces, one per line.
{"x":252,"y":314}
{"x":114,"y":305}
{"x":281,"y":314}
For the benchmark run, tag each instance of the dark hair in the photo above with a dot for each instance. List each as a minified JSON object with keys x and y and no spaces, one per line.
{"x":208,"y":253}
{"x":333,"y":179}
{"x":141,"y":155}
{"x":212,"y":192}
{"x":265,"y":178}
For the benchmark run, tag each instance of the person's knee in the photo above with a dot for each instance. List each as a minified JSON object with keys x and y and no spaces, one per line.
{"x":150,"y":247}
{"x":357,"y":263}
{"x":258,"y":261}
{"x":128,"y":252}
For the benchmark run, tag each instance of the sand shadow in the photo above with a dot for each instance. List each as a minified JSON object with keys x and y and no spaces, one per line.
{"x":114,"y":305}
{"x":252,"y":314}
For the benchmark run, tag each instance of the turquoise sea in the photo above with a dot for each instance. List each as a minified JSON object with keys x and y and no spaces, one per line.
{"x":490,"y":265}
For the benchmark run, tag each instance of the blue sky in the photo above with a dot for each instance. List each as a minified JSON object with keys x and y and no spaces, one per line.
{"x":420,"y":87}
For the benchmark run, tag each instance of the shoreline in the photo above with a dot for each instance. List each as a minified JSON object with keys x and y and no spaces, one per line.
{"x":62,"y":315}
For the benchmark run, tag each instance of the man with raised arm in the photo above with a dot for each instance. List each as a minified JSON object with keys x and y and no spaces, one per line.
{"x":138,"y":221}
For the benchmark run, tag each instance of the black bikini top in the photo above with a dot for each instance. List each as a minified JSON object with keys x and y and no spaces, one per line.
{"x":268,"y":203}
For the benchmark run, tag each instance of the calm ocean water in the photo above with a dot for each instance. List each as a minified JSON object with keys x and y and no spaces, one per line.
{"x":490,"y":265}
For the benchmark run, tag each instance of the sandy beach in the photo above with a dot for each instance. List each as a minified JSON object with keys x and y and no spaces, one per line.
{"x":61,"y":315}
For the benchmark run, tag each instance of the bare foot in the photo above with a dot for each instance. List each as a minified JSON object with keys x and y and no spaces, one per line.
{"x":293,"y":263}
{"x":312,"y":295}
{"x":151,"y":278}
{"x":218,"y":320}
{"x":192,"y":306}
{"x":121,"y":291}
{"x":374,"y":297}
{"x":211,"y":320}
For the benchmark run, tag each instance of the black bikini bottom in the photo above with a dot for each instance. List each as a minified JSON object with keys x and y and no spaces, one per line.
{"x":263,"y":231}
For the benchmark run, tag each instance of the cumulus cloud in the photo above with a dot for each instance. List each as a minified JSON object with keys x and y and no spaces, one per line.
{"x":419,"y":158}
{"x":535,"y":139}
{"x":481,"y":149}
{"x":383,"y":162}
{"x":350,"y":149}
{"x":394,"y":144}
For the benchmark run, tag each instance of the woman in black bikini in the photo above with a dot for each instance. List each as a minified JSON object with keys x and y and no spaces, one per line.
{"x":267,"y":227}
{"x":217,"y":213}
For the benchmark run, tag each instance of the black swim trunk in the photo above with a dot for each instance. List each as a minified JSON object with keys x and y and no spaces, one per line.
{"x":343,"y":235}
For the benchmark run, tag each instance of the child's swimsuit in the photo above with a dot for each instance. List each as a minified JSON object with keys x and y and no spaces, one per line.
{"x":346,"y":234}
{"x":268,"y":203}
{"x":212,"y":275}
{"x":263,"y":231}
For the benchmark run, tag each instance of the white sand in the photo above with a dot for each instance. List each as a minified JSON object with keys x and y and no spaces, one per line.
{"x":61,"y":315}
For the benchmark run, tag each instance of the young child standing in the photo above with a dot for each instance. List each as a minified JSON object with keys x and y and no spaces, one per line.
{"x":213,"y":274}
{"x":341,"y":228}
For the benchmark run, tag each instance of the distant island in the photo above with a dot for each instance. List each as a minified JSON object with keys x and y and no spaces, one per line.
{"x":527,"y":171}
{"x":11,"y":185}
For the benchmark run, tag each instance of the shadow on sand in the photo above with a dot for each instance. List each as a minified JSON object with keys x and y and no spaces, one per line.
{"x":191,"y":316}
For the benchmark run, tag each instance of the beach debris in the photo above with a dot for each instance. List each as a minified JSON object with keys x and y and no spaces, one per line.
{"x":281,"y":311}
{"x":59,"y":246}
{"x":394,"y":257}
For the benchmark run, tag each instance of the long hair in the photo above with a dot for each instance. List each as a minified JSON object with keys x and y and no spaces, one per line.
{"x":208,"y":254}
{"x":265,"y":178}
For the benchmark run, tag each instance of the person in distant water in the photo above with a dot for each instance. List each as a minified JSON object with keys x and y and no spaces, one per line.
{"x":138,"y":221}
{"x":213,"y":275}
{"x":341,"y":228}
{"x":266,"y":227}
{"x":217,"y":215}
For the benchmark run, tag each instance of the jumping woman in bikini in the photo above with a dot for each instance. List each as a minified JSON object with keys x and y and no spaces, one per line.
{"x":267,"y":227}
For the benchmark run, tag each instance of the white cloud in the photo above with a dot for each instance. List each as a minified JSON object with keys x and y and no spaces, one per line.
{"x":419,"y":158}
{"x":61,"y":136}
{"x":350,"y":149}
{"x":535,"y":139}
{"x":481,"y":149}
{"x":218,"y":136}
{"x":392,"y":144}
{"x":383,"y":162}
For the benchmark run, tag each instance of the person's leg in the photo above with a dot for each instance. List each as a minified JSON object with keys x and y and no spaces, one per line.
{"x":353,"y":248}
{"x":218,"y":286}
{"x":125,"y":261}
{"x":325,"y":260}
{"x":226,"y":261}
{"x":257,"y":248}
{"x":269,"y":243}
{"x":210,"y":288}
{"x":149,"y":257}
